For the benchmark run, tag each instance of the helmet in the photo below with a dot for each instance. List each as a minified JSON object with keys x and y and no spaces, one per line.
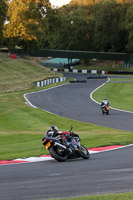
{"x":105,"y":98}
{"x":52,"y":131}
{"x":54,"y":128}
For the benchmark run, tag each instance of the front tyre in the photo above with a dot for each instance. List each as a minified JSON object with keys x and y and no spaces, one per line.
{"x":58,"y":154}
{"x":84,"y":153}
{"x":102,"y":112}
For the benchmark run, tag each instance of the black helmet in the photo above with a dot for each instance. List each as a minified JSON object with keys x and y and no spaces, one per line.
{"x":54,"y":128}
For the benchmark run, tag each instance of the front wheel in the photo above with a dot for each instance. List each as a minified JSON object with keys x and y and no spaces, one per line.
{"x":58,"y":154}
{"x":84,"y":153}
{"x":102,"y":112}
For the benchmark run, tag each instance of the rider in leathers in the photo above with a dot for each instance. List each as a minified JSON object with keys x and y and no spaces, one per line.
{"x":104,"y":102}
{"x":66,"y":136}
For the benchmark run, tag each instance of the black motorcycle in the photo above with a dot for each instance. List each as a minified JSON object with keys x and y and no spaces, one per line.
{"x":66,"y":145}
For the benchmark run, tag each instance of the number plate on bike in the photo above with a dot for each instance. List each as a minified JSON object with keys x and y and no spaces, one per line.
{"x":48,"y":145}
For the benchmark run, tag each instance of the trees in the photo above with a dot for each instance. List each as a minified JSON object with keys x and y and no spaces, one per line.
{"x":129,"y":27}
{"x":92,"y":25}
{"x":74,"y":32}
{"x":83,"y":2}
{"x":86,"y":25}
{"x":25,"y":21}
{"x":3,"y":10}
{"x":73,"y":29}
{"x":107,"y":26}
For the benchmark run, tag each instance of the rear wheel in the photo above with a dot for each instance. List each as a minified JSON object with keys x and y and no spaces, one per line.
{"x":84,"y":153}
{"x":107,"y":112}
{"x":58,"y":154}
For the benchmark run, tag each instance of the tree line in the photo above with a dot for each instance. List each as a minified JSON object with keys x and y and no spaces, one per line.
{"x":82,"y":25}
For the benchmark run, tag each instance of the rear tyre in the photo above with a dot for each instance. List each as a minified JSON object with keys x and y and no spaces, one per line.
{"x":107,"y":112}
{"x":84,"y":153}
{"x":61,"y":156}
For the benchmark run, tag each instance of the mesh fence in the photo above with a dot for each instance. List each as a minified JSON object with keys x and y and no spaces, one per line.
{"x":4,"y":56}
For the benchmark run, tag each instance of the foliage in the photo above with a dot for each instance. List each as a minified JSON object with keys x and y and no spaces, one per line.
{"x":86,"y":25}
{"x":129,"y":26}
{"x":83,"y":2}
{"x":92,"y":25}
{"x":107,"y":26}
{"x":52,"y":26}
{"x":3,"y":10}
{"x":76,"y":27}
{"x":26,"y":23}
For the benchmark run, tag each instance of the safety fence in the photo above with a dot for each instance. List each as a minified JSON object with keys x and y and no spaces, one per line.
{"x":55,"y":80}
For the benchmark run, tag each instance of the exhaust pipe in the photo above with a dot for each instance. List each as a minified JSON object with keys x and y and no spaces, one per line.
{"x":60,"y":145}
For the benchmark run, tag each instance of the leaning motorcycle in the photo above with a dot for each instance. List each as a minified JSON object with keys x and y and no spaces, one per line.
{"x":66,"y":145}
{"x":105,"y":109}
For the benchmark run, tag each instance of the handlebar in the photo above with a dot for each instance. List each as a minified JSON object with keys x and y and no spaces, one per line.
{"x":71,"y":129}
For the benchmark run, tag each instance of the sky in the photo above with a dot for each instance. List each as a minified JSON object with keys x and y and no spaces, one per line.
{"x":59,"y":2}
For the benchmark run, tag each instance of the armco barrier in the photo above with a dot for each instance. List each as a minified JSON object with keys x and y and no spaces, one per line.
{"x":44,"y":82}
{"x":83,"y":71}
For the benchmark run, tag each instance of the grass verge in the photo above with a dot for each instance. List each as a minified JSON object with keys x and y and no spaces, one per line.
{"x":119,"y":94}
{"x":119,"y":196}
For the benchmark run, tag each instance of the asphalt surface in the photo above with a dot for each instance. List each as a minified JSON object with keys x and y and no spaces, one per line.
{"x":106,"y":172}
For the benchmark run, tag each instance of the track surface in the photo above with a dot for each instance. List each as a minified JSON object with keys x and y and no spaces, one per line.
{"x":106,"y":172}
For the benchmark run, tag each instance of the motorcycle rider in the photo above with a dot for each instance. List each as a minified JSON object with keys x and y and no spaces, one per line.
{"x":104,"y":102}
{"x":66,"y":136}
{"x":54,"y":131}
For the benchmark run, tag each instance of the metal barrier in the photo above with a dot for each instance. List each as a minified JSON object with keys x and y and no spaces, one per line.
{"x":44,"y":82}
{"x":83,"y":71}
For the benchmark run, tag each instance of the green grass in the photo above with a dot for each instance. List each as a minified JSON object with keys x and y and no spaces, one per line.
{"x":119,"y":196}
{"x":119,"y":94}
{"x":19,"y":74}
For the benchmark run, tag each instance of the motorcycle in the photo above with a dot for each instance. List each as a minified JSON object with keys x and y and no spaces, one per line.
{"x":66,"y":145}
{"x":105,"y":109}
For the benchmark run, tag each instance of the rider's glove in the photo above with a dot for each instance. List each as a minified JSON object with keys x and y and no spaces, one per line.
{"x":72,"y":134}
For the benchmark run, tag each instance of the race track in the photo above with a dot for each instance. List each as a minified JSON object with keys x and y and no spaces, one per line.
{"x":106,"y":172}
{"x":73,"y":101}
